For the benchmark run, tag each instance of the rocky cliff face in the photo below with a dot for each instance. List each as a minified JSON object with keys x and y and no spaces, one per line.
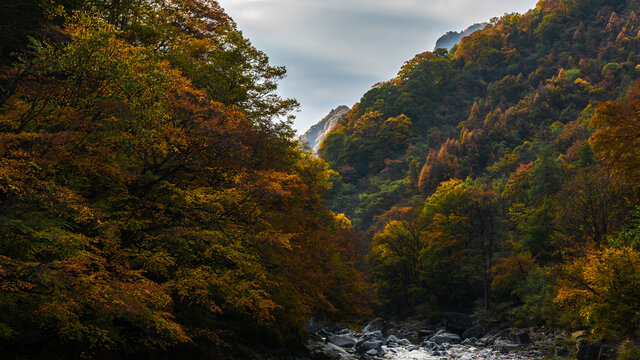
{"x":452,"y":38}
{"x":314,"y":136}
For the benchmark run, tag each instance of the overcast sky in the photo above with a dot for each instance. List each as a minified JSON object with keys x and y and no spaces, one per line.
{"x":334,"y":50}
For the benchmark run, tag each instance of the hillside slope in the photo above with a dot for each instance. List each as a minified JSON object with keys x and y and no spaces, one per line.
{"x":478,"y":180}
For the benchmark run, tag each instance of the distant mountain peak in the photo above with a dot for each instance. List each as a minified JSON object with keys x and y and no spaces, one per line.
{"x":452,"y":38}
{"x":314,"y":136}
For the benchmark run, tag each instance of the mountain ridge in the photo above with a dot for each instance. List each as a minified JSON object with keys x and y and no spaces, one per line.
{"x":452,"y":38}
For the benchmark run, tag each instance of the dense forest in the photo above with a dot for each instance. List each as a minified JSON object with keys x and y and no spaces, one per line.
{"x":501,"y":177}
{"x":152,"y":205}
{"x":155,"y":203}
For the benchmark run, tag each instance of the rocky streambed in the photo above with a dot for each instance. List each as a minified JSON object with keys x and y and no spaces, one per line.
{"x":406,"y":341}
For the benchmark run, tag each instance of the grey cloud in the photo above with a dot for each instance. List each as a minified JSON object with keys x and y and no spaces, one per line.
{"x":334,"y":50}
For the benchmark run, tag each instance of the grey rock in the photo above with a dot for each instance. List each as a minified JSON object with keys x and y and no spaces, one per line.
{"x":485,"y":353}
{"x":392,"y":339}
{"x":375,"y":335}
{"x":314,"y":136}
{"x":452,"y":38}
{"x":372,"y":352}
{"x":491,"y":338}
{"x":324,"y":333}
{"x":342,"y":341}
{"x":470,"y":341}
{"x":404,"y":342}
{"x":412,"y":348}
{"x":445,"y":337}
{"x":328,"y":351}
{"x":429,"y":345}
{"x":505,"y":346}
{"x":363,"y":347}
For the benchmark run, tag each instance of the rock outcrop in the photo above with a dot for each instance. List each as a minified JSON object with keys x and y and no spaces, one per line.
{"x":314,"y":136}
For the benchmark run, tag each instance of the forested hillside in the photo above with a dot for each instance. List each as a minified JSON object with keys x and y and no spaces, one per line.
{"x":151,"y":204}
{"x":501,"y":177}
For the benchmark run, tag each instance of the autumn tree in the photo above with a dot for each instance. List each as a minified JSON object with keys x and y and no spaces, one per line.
{"x":617,"y":129}
{"x":141,"y":215}
{"x":602,"y":287}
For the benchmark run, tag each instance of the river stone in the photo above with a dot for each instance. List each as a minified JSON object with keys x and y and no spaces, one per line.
{"x":470,"y":341}
{"x":342,"y":341}
{"x":444,"y":337}
{"x":324,"y":333}
{"x":375,"y":335}
{"x":328,"y":351}
{"x":363,"y":347}
{"x":392,"y":339}
{"x":429,"y":345}
{"x":404,"y":342}
{"x":505,"y":346}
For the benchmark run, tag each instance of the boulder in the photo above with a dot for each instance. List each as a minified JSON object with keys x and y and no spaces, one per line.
{"x":429,"y":345}
{"x":457,"y":323}
{"x":392,"y":339}
{"x":404,"y":342}
{"x":470,"y":341}
{"x":372,"y":352}
{"x":444,"y":337}
{"x":328,"y":351}
{"x":375,"y":335}
{"x":341,"y":340}
{"x":505,"y":346}
{"x":363,"y":347}
{"x":490,"y":338}
{"x":435,"y":349}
